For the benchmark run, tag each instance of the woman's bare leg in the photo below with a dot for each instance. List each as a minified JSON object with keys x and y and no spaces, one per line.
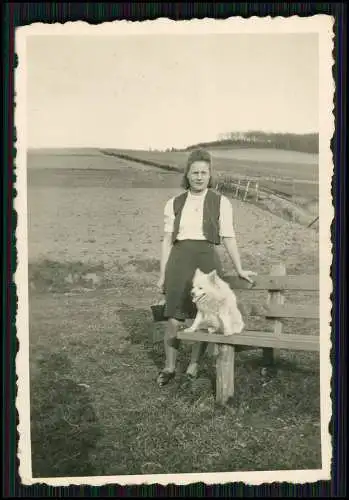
{"x":171,"y":344}
{"x":197,"y":351}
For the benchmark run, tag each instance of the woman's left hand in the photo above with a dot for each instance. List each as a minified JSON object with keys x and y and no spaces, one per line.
{"x":246,"y":275}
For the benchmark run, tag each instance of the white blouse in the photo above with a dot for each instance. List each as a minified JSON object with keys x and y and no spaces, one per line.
{"x":190,"y":226}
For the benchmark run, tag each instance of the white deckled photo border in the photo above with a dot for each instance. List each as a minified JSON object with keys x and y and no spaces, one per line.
{"x":320,"y":24}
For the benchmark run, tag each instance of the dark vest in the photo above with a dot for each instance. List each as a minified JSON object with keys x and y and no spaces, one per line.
{"x":210,"y":216}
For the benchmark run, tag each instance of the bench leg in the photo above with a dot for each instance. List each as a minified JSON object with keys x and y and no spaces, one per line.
{"x":225,"y":373}
{"x":270,"y":356}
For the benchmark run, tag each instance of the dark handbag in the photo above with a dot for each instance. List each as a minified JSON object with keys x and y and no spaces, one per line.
{"x":158,"y":311}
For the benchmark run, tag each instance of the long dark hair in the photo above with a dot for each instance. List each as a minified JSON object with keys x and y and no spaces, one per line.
{"x":197,"y":155}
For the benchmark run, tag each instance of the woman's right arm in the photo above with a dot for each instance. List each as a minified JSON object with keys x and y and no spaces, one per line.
{"x":165,"y":252}
{"x":166,"y":246}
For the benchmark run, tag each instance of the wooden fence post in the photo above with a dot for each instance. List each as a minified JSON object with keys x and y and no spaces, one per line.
{"x":225,"y":363}
{"x":246,"y":190}
{"x":237,"y":189}
{"x":270,"y":355}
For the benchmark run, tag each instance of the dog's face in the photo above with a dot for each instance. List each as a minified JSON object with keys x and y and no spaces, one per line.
{"x":215,"y":299}
{"x":205,"y":285}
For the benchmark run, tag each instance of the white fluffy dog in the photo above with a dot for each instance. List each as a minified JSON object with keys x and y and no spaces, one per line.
{"x":216,"y":305}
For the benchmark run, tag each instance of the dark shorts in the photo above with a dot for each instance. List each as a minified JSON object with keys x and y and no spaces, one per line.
{"x":185,"y":257}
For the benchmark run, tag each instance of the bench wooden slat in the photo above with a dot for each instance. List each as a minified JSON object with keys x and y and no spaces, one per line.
{"x":274,"y":283}
{"x":292,"y":311}
{"x":258,"y":339}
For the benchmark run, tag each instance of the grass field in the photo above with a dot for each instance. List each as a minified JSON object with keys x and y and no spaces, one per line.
{"x":95,"y":225}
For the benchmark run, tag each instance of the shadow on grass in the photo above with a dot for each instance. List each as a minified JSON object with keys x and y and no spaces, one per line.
{"x":144,"y":331}
{"x":64,"y":426}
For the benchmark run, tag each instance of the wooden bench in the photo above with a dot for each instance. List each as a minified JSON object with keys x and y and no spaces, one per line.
{"x":275,"y":284}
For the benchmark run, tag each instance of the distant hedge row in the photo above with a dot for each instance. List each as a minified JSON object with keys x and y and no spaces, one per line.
{"x":305,"y":143}
{"x":163,"y":166}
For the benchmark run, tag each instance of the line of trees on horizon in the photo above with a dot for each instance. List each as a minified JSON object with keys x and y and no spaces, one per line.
{"x":305,"y":143}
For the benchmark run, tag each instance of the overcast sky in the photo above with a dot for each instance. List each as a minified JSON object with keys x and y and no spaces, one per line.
{"x":166,"y":90}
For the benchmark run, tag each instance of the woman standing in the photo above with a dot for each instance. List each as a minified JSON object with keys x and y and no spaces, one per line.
{"x":196,"y":222}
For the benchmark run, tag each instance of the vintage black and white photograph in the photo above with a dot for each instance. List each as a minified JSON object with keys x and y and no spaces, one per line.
{"x":174,"y":251}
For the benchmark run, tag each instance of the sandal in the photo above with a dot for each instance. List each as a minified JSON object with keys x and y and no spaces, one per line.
{"x":191,"y":377}
{"x":165,"y":377}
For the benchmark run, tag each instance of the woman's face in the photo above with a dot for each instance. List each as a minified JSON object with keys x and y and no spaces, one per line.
{"x":199,"y":176}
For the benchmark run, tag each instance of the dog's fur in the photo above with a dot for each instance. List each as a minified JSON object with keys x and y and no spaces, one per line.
{"x":216,"y":305}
